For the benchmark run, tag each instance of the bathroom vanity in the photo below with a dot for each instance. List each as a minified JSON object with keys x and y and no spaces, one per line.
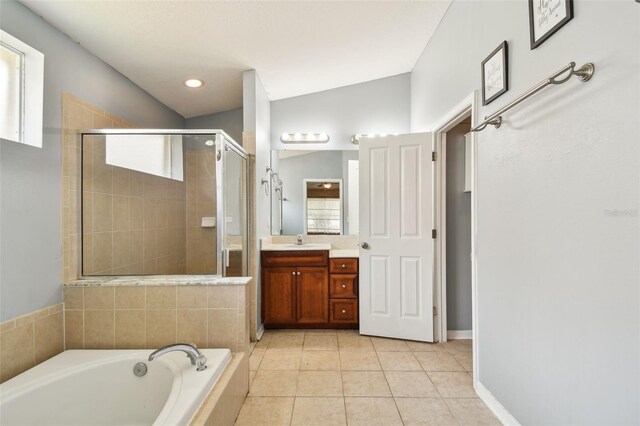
{"x":303,"y":288}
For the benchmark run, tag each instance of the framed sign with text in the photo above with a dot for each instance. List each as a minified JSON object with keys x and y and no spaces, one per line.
{"x":495,"y":74}
{"x":546,"y":17}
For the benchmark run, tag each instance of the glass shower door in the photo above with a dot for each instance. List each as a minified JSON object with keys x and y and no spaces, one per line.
{"x":232,"y":208}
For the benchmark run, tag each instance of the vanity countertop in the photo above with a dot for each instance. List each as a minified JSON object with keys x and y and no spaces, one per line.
{"x":354,"y":253}
{"x":296,"y":247}
{"x":158,"y":280}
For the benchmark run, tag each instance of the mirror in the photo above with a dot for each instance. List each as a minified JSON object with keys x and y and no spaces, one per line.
{"x":314,"y":192}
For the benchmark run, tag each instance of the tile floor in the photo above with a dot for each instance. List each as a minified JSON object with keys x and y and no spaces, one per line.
{"x":329,"y":377}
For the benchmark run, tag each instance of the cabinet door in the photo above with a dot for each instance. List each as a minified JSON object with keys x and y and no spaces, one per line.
{"x":279,"y":296}
{"x":313,"y":295}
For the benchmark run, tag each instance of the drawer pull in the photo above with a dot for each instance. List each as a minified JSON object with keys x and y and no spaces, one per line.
{"x":344,"y":311}
{"x":344,"y":286}
{"x":344,"y":266}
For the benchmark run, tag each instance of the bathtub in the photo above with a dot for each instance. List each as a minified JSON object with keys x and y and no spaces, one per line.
{"x":98,"y":387}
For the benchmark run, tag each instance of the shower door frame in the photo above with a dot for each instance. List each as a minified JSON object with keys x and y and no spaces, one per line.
{"x":224,"y":142}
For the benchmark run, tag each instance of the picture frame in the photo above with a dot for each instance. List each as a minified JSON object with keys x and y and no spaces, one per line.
{"x":546,"y":17}
{"x":495,"y":73}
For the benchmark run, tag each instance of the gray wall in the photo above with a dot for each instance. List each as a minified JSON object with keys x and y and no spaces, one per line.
{"x":378,"y":106}
{"x":229,"y":121}
{"x":30,"y":178}
{"x":257,"y":118}
{"x":293,"y":171}
{"x":458,"y":233}
{"x":557,"y":204}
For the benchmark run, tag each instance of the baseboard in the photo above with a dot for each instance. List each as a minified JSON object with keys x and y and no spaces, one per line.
{"x":494,"y":405}
{"x":260,"y":332}
{"x":459,"y":334}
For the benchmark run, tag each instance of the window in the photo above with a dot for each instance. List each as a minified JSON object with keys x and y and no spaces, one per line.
{"x":21,"y":91}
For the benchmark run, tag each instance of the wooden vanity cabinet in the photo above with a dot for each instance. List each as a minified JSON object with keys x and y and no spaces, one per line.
{"x":301,"y":290}
{"x":295,"y":289}
{"x":343,"y":285}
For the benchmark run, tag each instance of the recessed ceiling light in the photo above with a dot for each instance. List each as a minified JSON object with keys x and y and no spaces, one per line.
{"x":209,"y":143}
{"x":194,"y":83}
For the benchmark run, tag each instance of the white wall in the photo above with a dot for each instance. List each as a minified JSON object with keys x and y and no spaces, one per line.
{"x":30,"y":178}
{"x":257,"y":118}
{"x":558,"y":278}
{"x":378,"y":106}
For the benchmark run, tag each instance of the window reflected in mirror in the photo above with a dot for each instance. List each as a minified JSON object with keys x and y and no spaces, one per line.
{"x":323,"y":207}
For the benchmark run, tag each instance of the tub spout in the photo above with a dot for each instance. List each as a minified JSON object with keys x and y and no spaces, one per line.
{"x":196,"y":357}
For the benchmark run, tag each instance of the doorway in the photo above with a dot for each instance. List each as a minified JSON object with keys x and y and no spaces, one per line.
{"x":456,"y":227}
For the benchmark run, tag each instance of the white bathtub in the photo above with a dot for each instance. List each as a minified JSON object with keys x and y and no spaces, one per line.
{"x":98,"y":387}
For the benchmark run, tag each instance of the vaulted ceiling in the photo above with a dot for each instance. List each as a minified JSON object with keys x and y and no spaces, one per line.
{"x":297,"y":47}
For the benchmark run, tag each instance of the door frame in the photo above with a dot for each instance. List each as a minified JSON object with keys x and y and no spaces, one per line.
{"x":468,"y":106}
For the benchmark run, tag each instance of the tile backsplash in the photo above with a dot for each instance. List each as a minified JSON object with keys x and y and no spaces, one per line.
{"x":30,"y":339}
{"x":138,"y":317}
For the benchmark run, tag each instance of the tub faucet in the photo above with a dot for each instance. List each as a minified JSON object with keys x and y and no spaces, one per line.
{"x":299,"y":239}
{"x":196,"y":357}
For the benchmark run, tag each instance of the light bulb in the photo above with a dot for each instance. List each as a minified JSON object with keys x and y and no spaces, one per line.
{"x":194,"y":83}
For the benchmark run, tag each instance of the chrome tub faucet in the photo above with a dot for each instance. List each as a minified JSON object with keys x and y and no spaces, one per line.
{"x":196,"y":357}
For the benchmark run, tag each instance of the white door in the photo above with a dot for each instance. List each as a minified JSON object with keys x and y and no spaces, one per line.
{"x":396,"y":253}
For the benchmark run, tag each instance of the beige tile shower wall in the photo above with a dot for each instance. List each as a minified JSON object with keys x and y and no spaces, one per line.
{"x":29,"y":340}
{"x":133,"y":223}
{"x":76,"y":115}
{"x":123,"y":317}
{"x":200,"y":202}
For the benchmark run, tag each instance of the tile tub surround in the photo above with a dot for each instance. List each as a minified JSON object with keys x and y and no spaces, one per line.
{"x":127,"y":312}
{"x":30,"y":339}
{"x":340,"y":377}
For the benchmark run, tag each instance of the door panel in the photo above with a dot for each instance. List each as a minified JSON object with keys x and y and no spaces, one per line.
{"x":396,"y":217}
{"x":313,"y":295}
{"x":279,"y":296}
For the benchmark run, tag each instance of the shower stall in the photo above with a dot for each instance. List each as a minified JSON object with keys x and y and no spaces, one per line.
{"x":161,"y":202}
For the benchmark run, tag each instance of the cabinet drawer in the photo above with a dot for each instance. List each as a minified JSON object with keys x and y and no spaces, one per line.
{"x":295,"y":258}
{"x":343,"y":266}
{"x":343,"y":311}
{"x":343,"y":285}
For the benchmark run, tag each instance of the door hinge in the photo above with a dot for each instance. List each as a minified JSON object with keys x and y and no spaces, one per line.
{"x":433,"y":156}
{"x":433,"y":233}
{"x":435,"y":311}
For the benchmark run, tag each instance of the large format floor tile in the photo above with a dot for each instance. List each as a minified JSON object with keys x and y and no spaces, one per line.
{"x":319,"y":411}
{"x":338,"y":377}
{"x":265,"y":411}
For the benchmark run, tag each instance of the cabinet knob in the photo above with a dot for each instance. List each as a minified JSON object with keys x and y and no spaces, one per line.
{"x":293,"y":273}
{"x":344,"y":266}
{"x":298,"y":273}
{"x":344,"y":286}
{"x":344,"y":311}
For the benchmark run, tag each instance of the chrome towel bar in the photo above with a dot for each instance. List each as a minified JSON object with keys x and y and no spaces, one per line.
{"x":584,"y":73}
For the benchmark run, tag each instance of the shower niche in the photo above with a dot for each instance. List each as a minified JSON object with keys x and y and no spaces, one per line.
{"x":163,"y":202}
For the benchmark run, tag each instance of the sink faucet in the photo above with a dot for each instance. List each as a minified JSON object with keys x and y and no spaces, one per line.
{"x":299,"y":239}
{"x":196,"y":357}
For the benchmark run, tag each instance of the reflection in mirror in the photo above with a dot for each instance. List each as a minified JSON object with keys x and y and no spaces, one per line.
{"x":290,"y":201}
{"x":323,"y":206}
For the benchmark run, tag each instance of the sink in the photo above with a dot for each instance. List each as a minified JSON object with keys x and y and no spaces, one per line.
{"x":293,"y":247}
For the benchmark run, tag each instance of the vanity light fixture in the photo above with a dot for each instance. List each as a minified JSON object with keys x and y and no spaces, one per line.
{"x":355,"y":139}
{"x":304,"y":138}
{"x":194,"y":83}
